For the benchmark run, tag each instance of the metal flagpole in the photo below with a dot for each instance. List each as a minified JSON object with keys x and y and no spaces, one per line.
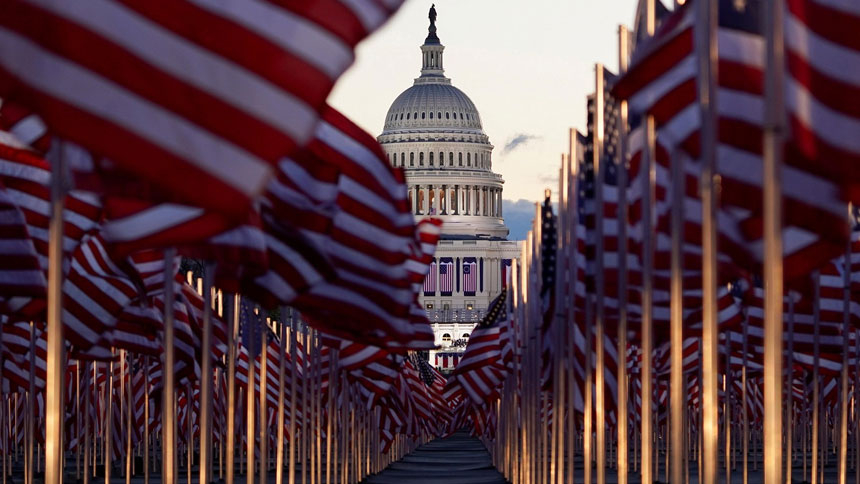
{"x":55,"y":362}
{"x":649,"y":167}
{"x":745,"y":403}
{"x":773,"y":244}
{"x":727,"y":408}
{"x":232,"y":336}
{"x":332,"y":388}
{"x":573,"y":216}
{"x":168,"y":412}
{"x":146,"y":420}
{"x":77,"y":417}
{"x":87,"y":393}
{"x":31,"y":408}
{"x":264,"y":428}
{"x":282,"y":351}
{"x":293,"y":391}
{"x":205,"y":460}
{"x":600,"y":367}
{"x":788,"y":396}
{"x":676,"y":387}
{"x":621,"y":352}
{"x":128,"y":399}
{"x":108,"y":457}
{"x":250,"y":428}
{"x":815,"y":378}
{"x":706,"y":42}
{"x":846,"y":321}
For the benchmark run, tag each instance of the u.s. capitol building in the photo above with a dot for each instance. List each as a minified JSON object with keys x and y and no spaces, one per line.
{"x":434,"y":132}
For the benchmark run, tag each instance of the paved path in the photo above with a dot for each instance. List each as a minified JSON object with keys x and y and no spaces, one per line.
{"x":457,"y":459}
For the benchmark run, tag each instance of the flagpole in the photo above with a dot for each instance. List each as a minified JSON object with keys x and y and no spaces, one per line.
{"x":128,"y":454}
{"x":293,"y":391}
{"x":676,"y":386}
{"x":815,"y":370}
{"x":846,"y":321}
{"x":87,"y":393}
{"x":31,"y":408}
{"x":168,"y":413}
{"x":232,"y":336}
{"x":146,"y":420}
{"x":205,"y":460}
{"x":649,"y":168}
{"x":264,"y":435}
{"x":55,"y":362}
{"x":621,"y":352}
{"x":600,"y":290}
{"x":282,"y":351}
{"x":250,"y":428}
{"x":744,"y":401}
{"x":788,"y":395}
{"x":108,"y":452}
{"x":772,"y":164}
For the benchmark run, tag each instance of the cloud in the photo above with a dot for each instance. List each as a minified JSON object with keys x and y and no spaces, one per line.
{"x":521,"y":139}
{"x":519,"y":215}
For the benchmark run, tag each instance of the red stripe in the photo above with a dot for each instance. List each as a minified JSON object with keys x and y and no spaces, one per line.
{"x":831,"y":92}
{"x":655,"y":65}
{"x":837,"y":26}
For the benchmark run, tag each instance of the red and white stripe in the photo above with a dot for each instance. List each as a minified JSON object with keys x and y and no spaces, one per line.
{"x":148,"y":87}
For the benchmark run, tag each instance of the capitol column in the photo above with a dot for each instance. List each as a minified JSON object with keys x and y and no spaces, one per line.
{"x":425,"y":205}
{"x":457,"y":199}
{"x":501,"y":203}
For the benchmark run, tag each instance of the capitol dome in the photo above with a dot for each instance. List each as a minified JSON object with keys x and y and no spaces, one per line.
{"x":434,"y":131}
{"x":433,"y":106}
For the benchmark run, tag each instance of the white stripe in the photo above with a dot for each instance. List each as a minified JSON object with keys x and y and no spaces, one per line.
{"x":191,"y":63}
{"x":29,"y":129}
{"x":72,"y":84}
{"x":681,"y":72}
{"x":150,"y":221}
{"x":833,"y":60}
{"x":291,"y":32}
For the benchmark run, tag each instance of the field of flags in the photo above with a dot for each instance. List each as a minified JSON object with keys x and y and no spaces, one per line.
{"x":205,"y":269}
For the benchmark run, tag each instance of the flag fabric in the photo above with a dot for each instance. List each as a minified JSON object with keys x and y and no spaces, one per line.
{"x":662,"y":82}
{"x":430,"y":280}
{"x":446,"y":276}
{"x":146,"y":86}
{"x":470,"y":276}
{"x":481,"y":370}
{"x":821,"y":83}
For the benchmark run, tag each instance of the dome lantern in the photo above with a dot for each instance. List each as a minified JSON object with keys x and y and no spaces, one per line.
{"x":432,"y":70}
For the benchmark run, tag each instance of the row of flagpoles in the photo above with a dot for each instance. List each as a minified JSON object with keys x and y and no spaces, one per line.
{"x":661,"y":232}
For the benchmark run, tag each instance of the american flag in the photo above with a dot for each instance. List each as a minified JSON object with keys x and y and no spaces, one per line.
{"x":662,"y":82}
{"x":506,"y":272}
{"x":481,"y":371}
{"x":821,"y":87}
{"x":446,"y":276}
{"x":470,"y":276}
{"x":148,"y":87}
{"x":430,"y":280}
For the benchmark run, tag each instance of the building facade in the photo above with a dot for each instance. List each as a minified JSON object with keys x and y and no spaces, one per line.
{"x":434,"y":131}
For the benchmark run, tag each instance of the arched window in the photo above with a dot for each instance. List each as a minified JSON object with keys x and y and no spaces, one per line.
{"x":407,"y":115}
{"x":421,"y":159}
{"x":460,"y":155}
{"x":446,"y":338}
{"x":423,"y":115}
{"x":439,"y":115}
{"x":465,"y":336}
{"x":402,"y":159}
{"x":451,"y":159}
{"x":411,"y":159}
{"x":447,"y":115}
{"x":415,"y":115}
{"x":461,"y":116}
{"x":431,"y":155}
{"x":431,"y":114}
{"x":441,"y":159}
{"x":468,"y":159}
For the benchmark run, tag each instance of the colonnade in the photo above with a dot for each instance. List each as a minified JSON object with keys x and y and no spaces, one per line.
{"x":479,"y":200}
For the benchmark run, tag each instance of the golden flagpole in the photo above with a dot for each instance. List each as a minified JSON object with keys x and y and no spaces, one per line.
{"x":128,"y":410}
{"x":622,"y":455}
{"x":676,"y":384}
{"x":108,"y":454}
{"x":146,"y":438}
{"x":168,"y":412}
{"x":846,"y":321}
{"x":788,"y":396}
{"x":232,"y":336}
{"x":816,"y":385}
{"x":55,"y":361}
{"x":205,"y":460}
{"x":264,"y":434}
{"x":250,"y":427}
{"x":293,"y":391}
{"x":282,"y":351}
{"x":31,"y":409}
{"x":600,"y":366}
{"x":773,"y":284}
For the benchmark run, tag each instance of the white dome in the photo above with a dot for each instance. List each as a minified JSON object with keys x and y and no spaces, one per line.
{"x":429,"y":106}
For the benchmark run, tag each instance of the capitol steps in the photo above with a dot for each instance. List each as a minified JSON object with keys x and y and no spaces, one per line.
{"x":459,"y":458}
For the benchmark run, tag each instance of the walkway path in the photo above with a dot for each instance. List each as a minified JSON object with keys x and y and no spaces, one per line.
{"x":459,"y":458}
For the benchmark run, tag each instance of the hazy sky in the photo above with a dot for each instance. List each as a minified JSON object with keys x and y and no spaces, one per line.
{"x":527,"y":66}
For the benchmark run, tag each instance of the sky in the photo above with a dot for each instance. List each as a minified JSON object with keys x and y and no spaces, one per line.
{"x":527,"y":66}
